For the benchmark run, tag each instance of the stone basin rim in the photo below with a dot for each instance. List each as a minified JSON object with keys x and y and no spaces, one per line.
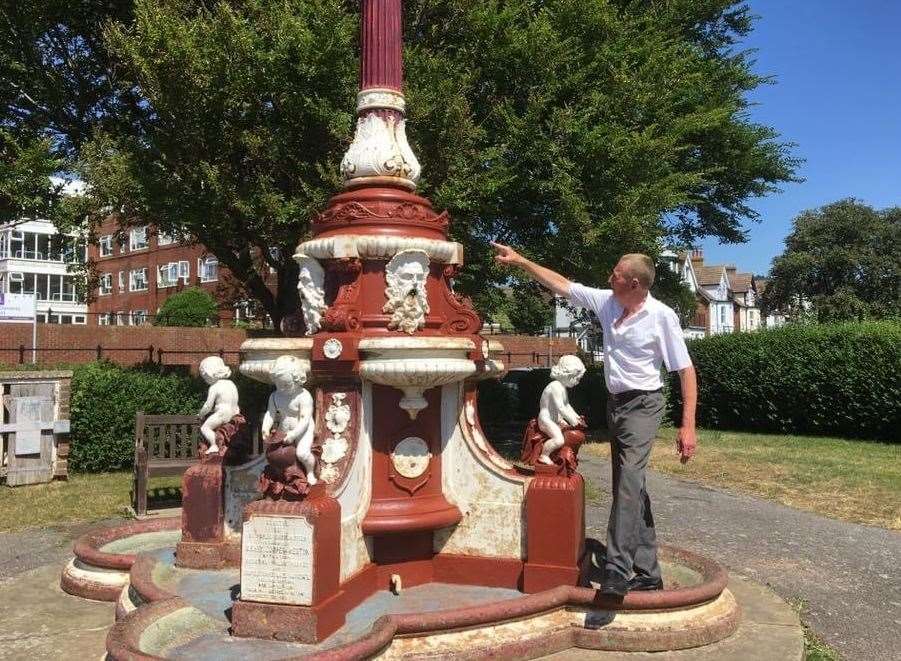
{"x":123,"y":641}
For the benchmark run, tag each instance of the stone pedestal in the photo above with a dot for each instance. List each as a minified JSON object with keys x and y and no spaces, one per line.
{"x":555,"y":530}
{"x":290,"y":570}
{"x":202,"y":544}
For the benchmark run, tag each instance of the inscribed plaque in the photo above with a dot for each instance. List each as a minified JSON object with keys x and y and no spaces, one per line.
{"x":277,"y":560}
{"x":28,"y":424}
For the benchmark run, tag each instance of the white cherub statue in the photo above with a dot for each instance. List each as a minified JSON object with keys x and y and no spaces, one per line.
{"x":554,"y":407}
{"x":291,"y":409}
{"x":221,"y":403}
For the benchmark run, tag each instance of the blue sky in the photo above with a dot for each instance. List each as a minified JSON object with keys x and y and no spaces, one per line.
{"x":837,"y":65}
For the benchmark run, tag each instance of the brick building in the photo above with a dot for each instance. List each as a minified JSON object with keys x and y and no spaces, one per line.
{"x":138,"y":268}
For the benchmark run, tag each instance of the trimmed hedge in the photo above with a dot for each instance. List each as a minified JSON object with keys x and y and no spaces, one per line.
{"x":835,"y":379}
{"x":106,"y":398}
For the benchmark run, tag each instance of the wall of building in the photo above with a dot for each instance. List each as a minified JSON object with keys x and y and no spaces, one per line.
{"x":123,"y":303}
{"x":186,"y":346}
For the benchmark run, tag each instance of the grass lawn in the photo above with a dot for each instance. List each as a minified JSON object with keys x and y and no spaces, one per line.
{"x":84,"y":497}
{"x":852,"y":480}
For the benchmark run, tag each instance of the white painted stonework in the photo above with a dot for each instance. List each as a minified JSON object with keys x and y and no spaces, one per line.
{"x":277,"y":560}
{"x":411,"y":457}
{"x":348,"y":246}
{"x":380,"y":149}
{"x":311,"y":286}
{"x":260,"y":355}
{"x":354,"y":494}
{"x":490,"y":499}
{"x":241,"y":489}
{"x":408,"y":302}
{"x":415,"y":364}
{"x":380,"y":97}
{"x":334,"y":448}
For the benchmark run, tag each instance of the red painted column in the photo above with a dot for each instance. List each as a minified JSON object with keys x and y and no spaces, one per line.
{"x":381,"y":63}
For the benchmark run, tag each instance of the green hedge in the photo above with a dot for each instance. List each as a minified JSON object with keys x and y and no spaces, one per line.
{"x":836,"y":379}
{"x":106,"y":397}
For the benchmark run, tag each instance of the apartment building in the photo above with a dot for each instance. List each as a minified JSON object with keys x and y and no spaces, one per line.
{"x":35,"y":259}
{"x":139,"y":268}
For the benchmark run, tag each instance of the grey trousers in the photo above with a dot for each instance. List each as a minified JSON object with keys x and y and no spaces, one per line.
{"x":631,"y":541}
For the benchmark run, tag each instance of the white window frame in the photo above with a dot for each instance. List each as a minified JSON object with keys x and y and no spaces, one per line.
{"x":138,"y":317}
{"x":133,"y":279}
{"x":163,"y":239}
{"x":105,"y":285}
{"x":164,"y":275}
{"x":103,"y":319}
{"x":120,"y":318}
{"x":137,"y":238}
{"x":121,"y":281}
{"x":106,"y":245}
{"x":203,"y":264}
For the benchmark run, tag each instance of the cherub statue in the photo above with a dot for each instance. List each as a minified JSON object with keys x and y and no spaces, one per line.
{"x":557,"y":423}
{"x":290,"y":413}
{"x":221,"y":404}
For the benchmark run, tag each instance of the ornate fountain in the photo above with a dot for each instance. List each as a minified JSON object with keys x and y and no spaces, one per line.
{"x":400,"y":488}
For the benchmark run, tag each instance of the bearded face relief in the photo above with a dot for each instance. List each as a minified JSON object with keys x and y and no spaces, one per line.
{"x":407,"y":304}
{"x":311,"y":286}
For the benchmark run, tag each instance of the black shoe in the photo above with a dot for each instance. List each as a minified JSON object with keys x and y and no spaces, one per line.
{"x":640,"y":583}
{"x":614,"y":583}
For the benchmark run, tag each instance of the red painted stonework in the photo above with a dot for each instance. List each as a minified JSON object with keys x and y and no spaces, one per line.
{"x":400,"y":504}
{"x":308,"y":624}
{"x":555,"y":524}
{"x":202,"y":544}
{"x":381,"y":44}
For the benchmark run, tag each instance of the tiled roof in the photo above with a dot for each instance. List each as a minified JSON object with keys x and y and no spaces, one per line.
{"x":709,"y":275}
{"x":740,"y":282}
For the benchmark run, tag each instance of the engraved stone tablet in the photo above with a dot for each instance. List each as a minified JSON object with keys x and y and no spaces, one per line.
{"x":277,"y":560}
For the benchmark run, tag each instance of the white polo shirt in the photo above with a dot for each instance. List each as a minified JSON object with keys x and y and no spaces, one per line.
{"x":634,"y":351}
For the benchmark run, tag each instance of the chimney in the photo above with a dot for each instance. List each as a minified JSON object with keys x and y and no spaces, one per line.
{"x":697,"y":257}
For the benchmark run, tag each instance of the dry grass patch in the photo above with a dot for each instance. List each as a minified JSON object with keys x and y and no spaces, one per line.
{"x":856,"y":481}
{"x":84,"y":497}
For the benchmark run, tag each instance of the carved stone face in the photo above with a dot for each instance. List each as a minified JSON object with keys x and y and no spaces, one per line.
{"x":410,"y":278}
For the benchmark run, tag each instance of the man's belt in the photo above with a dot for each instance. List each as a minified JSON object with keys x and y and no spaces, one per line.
{"x":625,"y":396}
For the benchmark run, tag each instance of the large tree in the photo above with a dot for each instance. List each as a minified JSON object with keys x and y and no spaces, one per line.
{"x":58,"y":85}
{"x":575,"y":129}
{"x":841,"y":262}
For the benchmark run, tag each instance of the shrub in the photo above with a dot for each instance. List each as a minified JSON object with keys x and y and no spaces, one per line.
{"x":190,"y":307}
{"x":840,"y":379}
{"x":105,"y":399}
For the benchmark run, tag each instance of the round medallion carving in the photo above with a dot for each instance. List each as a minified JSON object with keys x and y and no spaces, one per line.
{"x":411,"y":457}
{"x":332,"y":347}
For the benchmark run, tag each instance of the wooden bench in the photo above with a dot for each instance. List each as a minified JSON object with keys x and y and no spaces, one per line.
{"x":165,"y":446}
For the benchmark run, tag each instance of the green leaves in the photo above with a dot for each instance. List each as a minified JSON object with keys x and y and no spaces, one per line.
{"x":841,"y":262}
{"x":190,"y":307}
{"x":839,"y":379}
{"x":577,"y":130}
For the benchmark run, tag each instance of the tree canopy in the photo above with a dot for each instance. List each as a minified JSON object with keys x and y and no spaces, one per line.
{"x":841,"y":262}
{"x":190,"y":307}
{"x":576,"y":130}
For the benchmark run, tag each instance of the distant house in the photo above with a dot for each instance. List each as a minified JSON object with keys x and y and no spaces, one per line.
{"x":773,"y":319}
{"x":727,"y":300}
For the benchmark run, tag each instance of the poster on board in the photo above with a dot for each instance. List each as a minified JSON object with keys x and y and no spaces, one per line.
{"x":17,"y":308}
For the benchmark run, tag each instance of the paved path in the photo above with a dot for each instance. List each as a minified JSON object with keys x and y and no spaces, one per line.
{"x":846,"y":577}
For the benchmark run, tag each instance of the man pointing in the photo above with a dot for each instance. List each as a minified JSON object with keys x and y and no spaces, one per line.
{"x":640,"y":334}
